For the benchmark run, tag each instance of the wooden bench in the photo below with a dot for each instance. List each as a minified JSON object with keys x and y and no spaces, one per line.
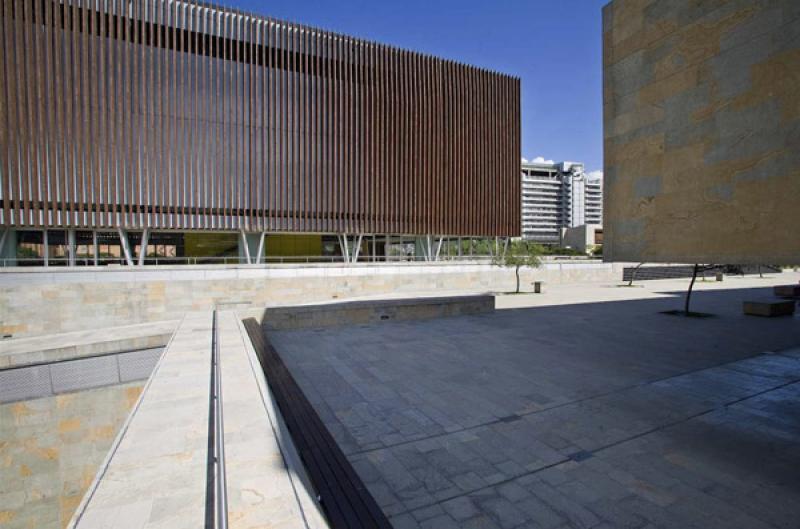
{"x":787,"y":291}
{"x":343,"y":496}
{"x":769,"y":307}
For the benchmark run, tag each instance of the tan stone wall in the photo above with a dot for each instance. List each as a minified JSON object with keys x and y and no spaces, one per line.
{"x":702,"y":131}
{"x":39,"y":302}
{"x":50,"y":450}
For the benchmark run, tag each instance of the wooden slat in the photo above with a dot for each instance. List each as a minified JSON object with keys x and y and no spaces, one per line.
{"x":5,"y":149}
{"x":122,"y":196}
{"x":23,"y":123}
{"x":36,"y":76}
{"x":190,"y":116}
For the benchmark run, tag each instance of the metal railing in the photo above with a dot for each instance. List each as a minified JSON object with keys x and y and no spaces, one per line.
{"x":228,"y":260}
{"x":217,"y":507}
{"x":265,"y":260}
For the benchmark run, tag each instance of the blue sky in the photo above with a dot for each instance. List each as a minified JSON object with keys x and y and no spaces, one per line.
{"x":554,"y":46}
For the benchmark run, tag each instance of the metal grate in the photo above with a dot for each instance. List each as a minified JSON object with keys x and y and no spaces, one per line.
{"x":24,"y":383}
{"x":44,"y":380}
{"x":84,"y":373}
{"x":137,"y":365}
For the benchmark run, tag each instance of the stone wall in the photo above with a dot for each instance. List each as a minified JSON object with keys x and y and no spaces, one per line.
{"x":375,"y":311}
{"x":702,"y":131}
{"x":51,"y":448}
{"x":42,"y":301}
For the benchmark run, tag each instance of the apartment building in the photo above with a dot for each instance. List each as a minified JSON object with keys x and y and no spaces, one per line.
{"x":556,"y":196}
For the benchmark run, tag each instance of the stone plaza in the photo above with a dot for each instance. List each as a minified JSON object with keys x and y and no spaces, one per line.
{"x":581,"y":407}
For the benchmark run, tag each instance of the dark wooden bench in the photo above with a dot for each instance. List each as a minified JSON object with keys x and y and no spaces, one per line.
{"x":344,"y":498}
{"x":768,"y":307}
{"x":787,"y":291}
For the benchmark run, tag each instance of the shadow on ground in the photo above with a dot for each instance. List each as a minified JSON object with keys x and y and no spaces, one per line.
{"x":574,"y":415}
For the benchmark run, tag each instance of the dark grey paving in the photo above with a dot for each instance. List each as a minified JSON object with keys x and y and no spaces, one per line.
{"x":592,"y":415}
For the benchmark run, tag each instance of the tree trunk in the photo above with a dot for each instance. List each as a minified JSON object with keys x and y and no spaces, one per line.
{"x":689,"y":292}
{"x":633,"y":274}
{"x":517,"y":271}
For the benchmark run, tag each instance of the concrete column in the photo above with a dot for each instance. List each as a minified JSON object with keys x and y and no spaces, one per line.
{"x":249,"y":247}
{"x":3,"y":238}
{"x":244,"y":247}
{"x":357,"y":247}
{"x":71,"y":247}
{"x":95,"y":250}
{"x":420,"y":248}
{"x":46,"y":248}
{"x":260,"y":250}
{"x":126,"y":247}
{"x":345,"y":248}
{"x":8,"y":248}
{"x":143,"y":246}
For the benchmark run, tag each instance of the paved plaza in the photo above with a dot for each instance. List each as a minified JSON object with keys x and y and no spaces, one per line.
{"x":581,"y":407}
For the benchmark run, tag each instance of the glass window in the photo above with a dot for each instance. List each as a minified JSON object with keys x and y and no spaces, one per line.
{"x":30,"y":248}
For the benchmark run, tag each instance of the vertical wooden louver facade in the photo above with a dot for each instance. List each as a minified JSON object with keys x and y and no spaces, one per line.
{"x":179,"y":115}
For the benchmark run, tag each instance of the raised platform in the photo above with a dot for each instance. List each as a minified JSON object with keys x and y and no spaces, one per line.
{"x":373,"y":311}
{"x":18,"y":352}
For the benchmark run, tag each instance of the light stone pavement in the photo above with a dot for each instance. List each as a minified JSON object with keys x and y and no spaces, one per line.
{"x":263,"y":489}
{"x":155,"y":475}
{"x":591,"y":410}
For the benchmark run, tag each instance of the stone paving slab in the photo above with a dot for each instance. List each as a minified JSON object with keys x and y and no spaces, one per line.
{"x":266,"y":483}
{"x":602,"y":414}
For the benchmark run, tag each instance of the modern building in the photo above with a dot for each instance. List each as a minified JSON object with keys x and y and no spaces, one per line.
{"x":172,"y":127}
{"x":557,"y":196}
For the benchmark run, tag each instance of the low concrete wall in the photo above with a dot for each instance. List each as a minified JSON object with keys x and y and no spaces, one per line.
{"x":105,"y":340}
{"x":41,"y":301}
{"x":362,"y":312}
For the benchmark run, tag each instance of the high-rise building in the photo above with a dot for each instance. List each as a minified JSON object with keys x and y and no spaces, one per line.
{"x":556,"y":196}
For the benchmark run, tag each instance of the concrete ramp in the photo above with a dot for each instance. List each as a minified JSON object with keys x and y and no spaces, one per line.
{"x":166,"y":463}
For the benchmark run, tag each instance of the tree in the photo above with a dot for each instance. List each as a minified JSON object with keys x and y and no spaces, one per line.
{"x":697,"y":268}
{"x":519,"y":254}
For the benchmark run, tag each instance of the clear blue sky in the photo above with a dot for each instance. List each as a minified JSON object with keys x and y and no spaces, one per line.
{"x":554,"y":46}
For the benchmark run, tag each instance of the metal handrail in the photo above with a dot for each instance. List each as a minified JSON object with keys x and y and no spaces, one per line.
{"x":265,"y":260}
{"x":226,"y":260}
{"x":220,"y":503}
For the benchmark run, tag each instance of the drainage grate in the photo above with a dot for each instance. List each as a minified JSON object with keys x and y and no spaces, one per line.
{"x":63,"y":376}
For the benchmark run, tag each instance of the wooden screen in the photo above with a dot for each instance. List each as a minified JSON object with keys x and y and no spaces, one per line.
{"x":180,"y":115}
